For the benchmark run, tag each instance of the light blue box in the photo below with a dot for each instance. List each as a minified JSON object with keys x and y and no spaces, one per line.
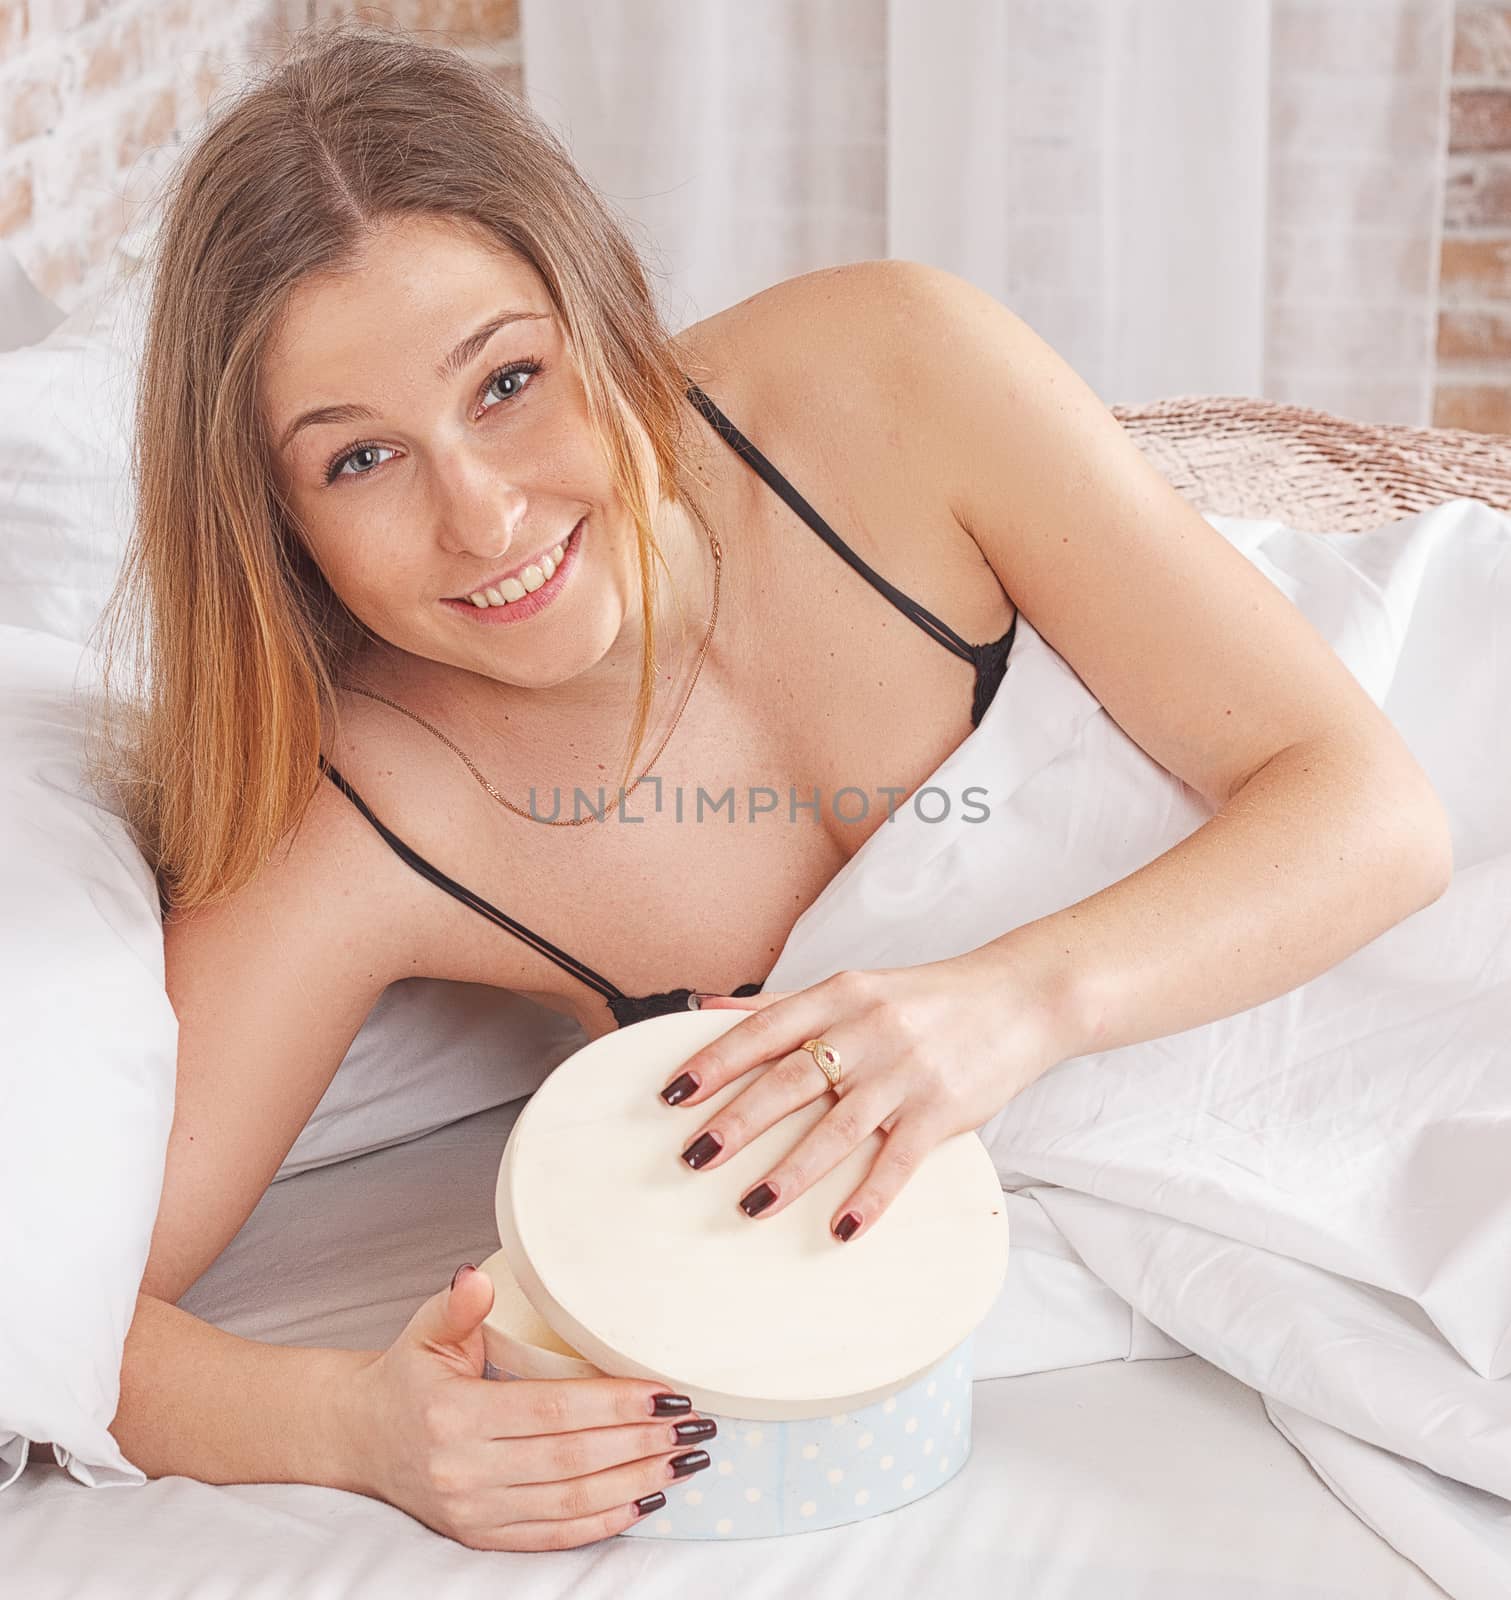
{"x":767,"y":1478}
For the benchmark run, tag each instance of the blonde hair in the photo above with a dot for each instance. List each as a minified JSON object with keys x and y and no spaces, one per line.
{"x":236,"y":642}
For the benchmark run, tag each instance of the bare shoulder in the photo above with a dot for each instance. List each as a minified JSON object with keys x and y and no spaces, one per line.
{"x":326,"y":885}
{"x":813,"y":327}
{"x":834,"y":374}
{"x":827,"y":364}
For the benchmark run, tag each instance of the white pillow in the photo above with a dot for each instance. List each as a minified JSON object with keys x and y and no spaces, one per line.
{"x":66,"y":497}
{"x":86,"y":1076}
{"x":429,"y":1053}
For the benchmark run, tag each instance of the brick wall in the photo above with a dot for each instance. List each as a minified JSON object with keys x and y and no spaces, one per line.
{"x":96,"y":96}
{"x":1474,"y":321}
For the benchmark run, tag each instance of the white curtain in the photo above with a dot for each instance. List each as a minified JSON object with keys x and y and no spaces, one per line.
{"x":1182,"y":196}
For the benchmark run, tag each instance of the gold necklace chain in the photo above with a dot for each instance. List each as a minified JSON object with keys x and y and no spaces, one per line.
{"x":592,"y":816}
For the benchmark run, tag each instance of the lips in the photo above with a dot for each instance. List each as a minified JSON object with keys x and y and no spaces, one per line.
{"x":514,"y":572}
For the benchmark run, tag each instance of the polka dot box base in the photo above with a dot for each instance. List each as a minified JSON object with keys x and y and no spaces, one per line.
{"x":767,"y":1478}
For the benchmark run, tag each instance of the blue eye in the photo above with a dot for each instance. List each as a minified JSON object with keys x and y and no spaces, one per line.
{"x":515,"y":370}
{"x":518,"y":369}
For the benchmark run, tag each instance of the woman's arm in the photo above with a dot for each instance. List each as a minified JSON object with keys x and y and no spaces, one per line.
{"x":1324,"y":848}
{"x":198,"y":1402}
{"x":1327,"y":831}
{"x":269,"y":987}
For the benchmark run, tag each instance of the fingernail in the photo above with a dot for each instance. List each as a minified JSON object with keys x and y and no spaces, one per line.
{"x":703,"y":1428}
{"x":695,"y":1001}
{"x":671,"y":1405}
{"x":679,"y":1088}
{"x":847,"y":1225}
{"x":758,"y":1199}
{"x":466,"y":1266}
{"x":704,"y":1148}
{"x":691,"y":1461}
{"x":650,"y":1502}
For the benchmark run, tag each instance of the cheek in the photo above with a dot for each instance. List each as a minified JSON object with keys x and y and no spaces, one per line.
{"x":368,"y":573}
{"x":390,"y":578}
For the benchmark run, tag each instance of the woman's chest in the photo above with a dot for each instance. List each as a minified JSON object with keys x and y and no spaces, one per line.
{"x":812,"y":725}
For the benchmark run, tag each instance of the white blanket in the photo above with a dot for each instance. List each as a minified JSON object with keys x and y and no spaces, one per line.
{"x":1314,"y":1194}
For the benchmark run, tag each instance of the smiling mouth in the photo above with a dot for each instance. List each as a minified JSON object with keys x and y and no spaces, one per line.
{"x":514,"y":586}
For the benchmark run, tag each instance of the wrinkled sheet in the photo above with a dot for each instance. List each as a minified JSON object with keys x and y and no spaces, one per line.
{"x":1125,"y":1480}
{"x":1314,"y":1194}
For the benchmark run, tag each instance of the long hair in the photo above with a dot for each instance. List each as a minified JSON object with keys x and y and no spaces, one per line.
{"x":233,"y":642}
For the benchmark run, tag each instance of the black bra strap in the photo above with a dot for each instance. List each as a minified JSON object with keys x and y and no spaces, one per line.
{"x":412,"y":858}
{"x":909,"y":607}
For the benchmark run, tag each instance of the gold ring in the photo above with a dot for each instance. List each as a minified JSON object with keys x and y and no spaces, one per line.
{"x":827,"y":1057}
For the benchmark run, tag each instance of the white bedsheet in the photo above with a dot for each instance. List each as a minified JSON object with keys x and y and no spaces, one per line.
{"x":1150,"y":1480}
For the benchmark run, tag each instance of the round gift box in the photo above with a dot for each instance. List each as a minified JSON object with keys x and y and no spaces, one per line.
{"x":839,"y":1373}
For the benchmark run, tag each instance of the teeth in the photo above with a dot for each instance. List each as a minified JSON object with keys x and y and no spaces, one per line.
{"x":527,"y":583}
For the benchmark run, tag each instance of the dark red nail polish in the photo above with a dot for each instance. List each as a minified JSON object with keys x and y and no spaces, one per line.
{"x":703,"y":1149}
{"x":679,"y":1088}
{"x":650,"y":1502}
{"x":671,"y":1405}
{"x":847,"y":1225}
{"x":466,"y":1266}
{"x":758,"y":1199}
{"x":703,"y":1428}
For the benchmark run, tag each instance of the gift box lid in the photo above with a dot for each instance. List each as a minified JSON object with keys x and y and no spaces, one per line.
{"x":648,"y":1268}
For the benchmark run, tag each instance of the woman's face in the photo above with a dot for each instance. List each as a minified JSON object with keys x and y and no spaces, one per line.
{"x":459,"y":458}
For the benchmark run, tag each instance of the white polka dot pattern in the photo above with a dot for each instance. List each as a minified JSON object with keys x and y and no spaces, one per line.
{"x":771,"y":1478}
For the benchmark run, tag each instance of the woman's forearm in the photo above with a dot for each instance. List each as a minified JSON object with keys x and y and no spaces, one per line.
{"x":202,"y":1403}
{"x":1322,"y":850}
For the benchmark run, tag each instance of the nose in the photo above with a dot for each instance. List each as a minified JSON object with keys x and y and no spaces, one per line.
{"x":479,"y":512}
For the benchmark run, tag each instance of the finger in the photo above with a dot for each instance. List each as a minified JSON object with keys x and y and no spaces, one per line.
{"x":548,"y":1458}
{"x":597,"y":1491}
{"x":847,"y":1126}
{"x":765,"y":1035}
{"x":732,"y":1002}
{"x":561,"y":1533}
{"x":519,"y":1407}
{"x":779,"y":1090}
{"x":906,"y":1148}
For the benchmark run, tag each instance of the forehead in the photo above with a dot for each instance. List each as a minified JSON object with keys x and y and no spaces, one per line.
{"x":420,"y":286}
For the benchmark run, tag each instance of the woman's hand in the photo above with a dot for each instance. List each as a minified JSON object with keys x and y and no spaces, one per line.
{"x":517,"y":1464}
{"x":926,"y":1052}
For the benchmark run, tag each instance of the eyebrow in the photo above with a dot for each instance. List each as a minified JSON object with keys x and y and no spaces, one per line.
{"x":465,"y":352}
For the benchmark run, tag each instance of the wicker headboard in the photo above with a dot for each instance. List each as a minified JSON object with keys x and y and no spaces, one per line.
{"x":1234,"y":456}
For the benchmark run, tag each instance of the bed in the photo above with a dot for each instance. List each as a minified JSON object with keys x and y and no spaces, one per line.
{"x":1158,"y":1474}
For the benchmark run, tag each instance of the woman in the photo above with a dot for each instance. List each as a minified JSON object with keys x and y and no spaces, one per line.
{"x":401,"y":356}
